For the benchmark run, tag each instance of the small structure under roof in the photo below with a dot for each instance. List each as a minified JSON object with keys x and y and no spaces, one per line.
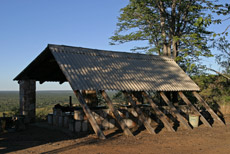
{"x":90,"y":69}
{"x":99,"y":70}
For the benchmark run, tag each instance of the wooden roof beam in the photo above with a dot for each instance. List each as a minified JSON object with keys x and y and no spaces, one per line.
{"x":41,"y":82}
{"x":61,"y":82}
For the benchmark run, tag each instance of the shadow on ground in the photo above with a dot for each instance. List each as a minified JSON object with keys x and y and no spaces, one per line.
{"x":31,"y":137}
{"x":36,"y":135}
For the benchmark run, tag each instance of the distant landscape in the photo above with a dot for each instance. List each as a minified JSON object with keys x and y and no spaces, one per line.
{"x":45,"y":101}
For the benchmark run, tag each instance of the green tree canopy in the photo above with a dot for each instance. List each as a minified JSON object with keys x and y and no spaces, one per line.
{"x":224,"y":57}
{"x":173,"y":28}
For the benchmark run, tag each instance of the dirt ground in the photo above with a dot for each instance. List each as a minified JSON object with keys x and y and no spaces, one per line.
{"x":50,"y":141}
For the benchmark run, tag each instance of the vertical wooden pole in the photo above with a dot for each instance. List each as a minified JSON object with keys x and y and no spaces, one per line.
{"x":119,"y":119}
{"x":141,"y":116}
{"x":90,"y":97}
{"x":175,"y":98}
{"x":175,"y":111}
{"x":89,"y":115}
{"x":70,"y":101}
{"x":185,"y":99}
{"x":138,"y":96}
{"x":213,"y":114}
{"x":160,"y":114}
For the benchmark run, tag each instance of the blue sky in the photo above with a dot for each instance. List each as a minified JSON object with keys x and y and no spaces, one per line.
{"x":27,"y":26}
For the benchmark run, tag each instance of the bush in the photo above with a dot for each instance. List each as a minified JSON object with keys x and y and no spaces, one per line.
{"x":214,"y":89}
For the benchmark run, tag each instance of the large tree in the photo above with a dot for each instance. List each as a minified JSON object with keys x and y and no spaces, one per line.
{"x":223,"y":58}
{"x":173,"y":28}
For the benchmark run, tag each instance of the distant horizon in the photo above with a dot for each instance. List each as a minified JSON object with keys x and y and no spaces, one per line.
{"x":45,"y":90}
{"x":36,"y":90}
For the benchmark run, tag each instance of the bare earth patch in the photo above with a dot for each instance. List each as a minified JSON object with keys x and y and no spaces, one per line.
{"x":50,"y":141}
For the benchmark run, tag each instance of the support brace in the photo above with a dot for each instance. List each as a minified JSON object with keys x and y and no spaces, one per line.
{"x":185,"y":99}
{"x":175,"y":111}
{"x":119,"y":119}
{"x":141,"y":116}
{"x":213,"y":114}
{"x":89,"y":115}
{"x":160,"y":114}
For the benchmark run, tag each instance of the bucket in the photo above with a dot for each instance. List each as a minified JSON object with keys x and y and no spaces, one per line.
{"x":194,"y":120}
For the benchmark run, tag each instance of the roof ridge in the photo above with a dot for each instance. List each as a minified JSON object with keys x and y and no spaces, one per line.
{"x":107,"y":53}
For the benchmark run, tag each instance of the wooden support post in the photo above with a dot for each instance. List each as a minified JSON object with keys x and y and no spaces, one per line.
{"x":185,"y":99}
{"x":70,"y":101}
{"x":213,"y":114}
{"x":141,"y":116}
{"x":90,"y":97}
{"x":175,"y":111}
{"x":89,"y":115}
{"x":160,"y":114}
{"x":119,"y":119}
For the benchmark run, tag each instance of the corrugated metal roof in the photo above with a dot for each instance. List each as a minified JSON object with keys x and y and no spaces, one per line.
{"x":91,"y":69}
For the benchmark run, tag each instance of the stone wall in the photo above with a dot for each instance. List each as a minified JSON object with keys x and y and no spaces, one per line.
{"x":27,"y":96}
{"x":77,"y":121}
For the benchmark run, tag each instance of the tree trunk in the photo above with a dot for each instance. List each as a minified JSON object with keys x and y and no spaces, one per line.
{"x":165,"y":49}
{"x":175,"y":50}
{"x":162,"y":24}
{"x":172,"y":25}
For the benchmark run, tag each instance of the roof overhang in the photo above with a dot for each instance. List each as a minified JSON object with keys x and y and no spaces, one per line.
{"x":43,"y":68}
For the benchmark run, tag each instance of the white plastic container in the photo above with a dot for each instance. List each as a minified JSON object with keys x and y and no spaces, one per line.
{"x":194,"y":120}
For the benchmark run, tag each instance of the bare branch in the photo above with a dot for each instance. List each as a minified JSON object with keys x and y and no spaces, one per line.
{"x":219,"y":73}
{"x":226,"y":19}
{"x":226,"y":29}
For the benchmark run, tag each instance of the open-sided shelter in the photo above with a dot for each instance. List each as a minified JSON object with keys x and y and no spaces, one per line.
{"x":100,"y":70}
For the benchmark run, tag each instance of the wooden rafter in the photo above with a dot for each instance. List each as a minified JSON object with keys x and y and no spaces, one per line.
{"x":213,"y":114}
{"x":141,"y":116}
{"x":160,"y":114}
{"x":89,"y":115}
{"x":175,"y":111}
{"x":185,"y":99}
{"x":119,"y":119}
